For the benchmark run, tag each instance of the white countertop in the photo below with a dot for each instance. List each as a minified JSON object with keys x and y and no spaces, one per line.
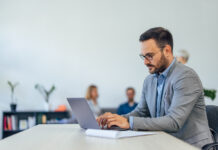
{"x":72,"y":137}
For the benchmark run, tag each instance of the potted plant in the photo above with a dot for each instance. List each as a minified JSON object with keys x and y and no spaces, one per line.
{"x":13,"y":100}
{"x":211,"y":93}
{"x":45,"y":93}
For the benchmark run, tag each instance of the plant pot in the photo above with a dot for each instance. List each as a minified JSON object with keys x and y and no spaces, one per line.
{"x":13,"y":107}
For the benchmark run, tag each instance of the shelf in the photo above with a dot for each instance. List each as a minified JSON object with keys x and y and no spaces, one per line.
{"x":12,"y":130}
{"x":13,"y":118}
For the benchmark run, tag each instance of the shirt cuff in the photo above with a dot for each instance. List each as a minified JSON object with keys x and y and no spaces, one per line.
{"x":131,"y":122}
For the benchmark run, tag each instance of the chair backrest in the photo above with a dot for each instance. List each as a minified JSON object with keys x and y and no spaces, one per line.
{"x":212,"y":116}
{"x":112,"y":110}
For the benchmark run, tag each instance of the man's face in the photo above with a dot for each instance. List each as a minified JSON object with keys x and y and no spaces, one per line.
{"x":130,"y":94}
{"x":155,"y":60}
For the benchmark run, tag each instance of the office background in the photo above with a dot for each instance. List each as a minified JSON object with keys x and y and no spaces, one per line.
{"x":74,"y":43}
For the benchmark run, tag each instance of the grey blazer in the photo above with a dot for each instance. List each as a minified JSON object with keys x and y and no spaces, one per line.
{"x":183,"y":112}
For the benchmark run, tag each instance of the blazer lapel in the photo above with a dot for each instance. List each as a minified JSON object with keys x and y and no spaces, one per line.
{"x":152,"y":98}
{"x":162,"y":112}
{"x":166,"y":85}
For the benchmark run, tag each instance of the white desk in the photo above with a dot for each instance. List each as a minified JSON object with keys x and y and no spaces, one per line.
{"x":72,"y":137}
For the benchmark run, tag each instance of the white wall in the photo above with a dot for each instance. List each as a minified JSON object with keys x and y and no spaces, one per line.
{"x":73,"y":43}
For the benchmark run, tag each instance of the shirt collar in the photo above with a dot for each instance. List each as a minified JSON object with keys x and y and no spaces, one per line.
{"x":166,"y":70}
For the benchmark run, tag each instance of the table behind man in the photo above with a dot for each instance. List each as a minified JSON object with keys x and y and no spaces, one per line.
{"x":172,"y":97}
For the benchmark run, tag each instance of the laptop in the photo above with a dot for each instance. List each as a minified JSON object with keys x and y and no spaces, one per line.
{"x":84,"y":114}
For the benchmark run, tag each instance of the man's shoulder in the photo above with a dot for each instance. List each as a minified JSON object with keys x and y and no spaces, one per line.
{"x":178,"y":71}
{"x":124,"y":104}
{"x":184,"y":75}
{"x":181,"y":71}
{"x":149,"y":78}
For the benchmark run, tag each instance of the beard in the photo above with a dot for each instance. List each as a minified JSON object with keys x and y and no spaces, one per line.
{"x":160,"y":67}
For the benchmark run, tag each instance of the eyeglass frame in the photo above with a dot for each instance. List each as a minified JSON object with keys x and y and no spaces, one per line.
{"x":149,"y":58}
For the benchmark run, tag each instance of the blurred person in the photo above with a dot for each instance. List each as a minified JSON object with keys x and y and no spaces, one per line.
{"x":92,"y":96}
{"x":172,"y":98}
{"x":130,"y":104}
{"x":182,"y":56}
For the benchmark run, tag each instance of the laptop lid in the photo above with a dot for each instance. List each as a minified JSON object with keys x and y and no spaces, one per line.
{"x":83,"y":113}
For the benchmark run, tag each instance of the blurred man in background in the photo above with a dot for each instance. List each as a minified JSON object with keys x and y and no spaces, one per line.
{"x":182,"y":56}
{"x":130,"y":105}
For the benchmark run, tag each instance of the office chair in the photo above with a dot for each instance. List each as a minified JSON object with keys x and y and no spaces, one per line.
{"x":212,"y":115}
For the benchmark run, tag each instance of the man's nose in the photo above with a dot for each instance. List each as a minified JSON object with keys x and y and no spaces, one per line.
{"x":146,"y":61}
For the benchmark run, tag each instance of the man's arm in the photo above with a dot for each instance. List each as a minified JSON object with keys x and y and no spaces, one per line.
{"x":187,"y":91}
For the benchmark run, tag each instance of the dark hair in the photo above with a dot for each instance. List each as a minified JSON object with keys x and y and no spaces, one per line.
{"x":161,"y":36}
{"x":130,"y":88}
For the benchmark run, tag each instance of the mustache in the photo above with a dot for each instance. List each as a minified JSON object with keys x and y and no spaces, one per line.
{"x":150,"y":65}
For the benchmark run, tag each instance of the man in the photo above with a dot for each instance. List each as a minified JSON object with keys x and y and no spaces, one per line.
{"x":172,"y":98}
{"x":130,"y":105}
{"x":182,"y":56}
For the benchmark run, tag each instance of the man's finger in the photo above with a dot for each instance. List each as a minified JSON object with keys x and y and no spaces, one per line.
{"x":111,"y":120}
{"x":112,"y":123}
{"x":99,"y":119}
{"x":104,"y":121}
{"x":111,"y":116}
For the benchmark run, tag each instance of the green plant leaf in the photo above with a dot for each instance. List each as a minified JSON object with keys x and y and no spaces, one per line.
{"x":46,"y":94}
{"x":211,"y":93}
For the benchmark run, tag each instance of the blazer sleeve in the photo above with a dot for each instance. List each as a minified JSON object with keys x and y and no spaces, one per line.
{"x":187,"y":90}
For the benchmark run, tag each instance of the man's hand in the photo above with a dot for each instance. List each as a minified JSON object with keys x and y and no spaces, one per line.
{"x":110,"y":119}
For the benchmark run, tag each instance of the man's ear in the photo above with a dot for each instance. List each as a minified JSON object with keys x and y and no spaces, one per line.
{"x":167,"y":50}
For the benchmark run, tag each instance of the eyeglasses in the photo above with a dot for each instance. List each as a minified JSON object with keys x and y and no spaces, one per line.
{"x":148,"y":56}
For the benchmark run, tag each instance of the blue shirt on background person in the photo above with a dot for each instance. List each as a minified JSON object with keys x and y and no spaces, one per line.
{"x":126,"y":108}
{"x":129,"y":106}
